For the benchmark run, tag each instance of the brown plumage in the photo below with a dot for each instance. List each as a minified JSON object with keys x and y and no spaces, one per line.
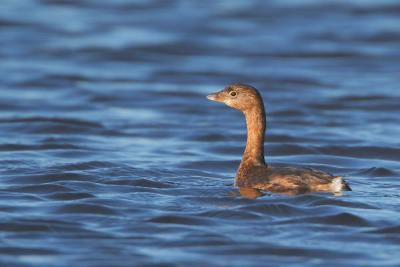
{"x":253,"y":173}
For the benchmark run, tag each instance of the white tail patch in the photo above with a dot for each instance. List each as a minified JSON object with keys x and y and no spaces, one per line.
{"x":337,"y":184}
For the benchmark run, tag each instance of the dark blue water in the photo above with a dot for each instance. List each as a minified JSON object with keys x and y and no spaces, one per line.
{"x":110,"y":154}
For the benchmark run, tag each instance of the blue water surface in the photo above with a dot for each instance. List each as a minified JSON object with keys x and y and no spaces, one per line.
{"x":110,"y":154}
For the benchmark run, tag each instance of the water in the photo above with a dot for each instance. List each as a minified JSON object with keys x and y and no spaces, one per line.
{"x":112,"y":156}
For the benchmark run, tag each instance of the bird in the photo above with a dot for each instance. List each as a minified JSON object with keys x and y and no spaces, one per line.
{"x":254,"y":175}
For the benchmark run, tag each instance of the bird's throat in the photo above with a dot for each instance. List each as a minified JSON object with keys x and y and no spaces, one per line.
{"x":255,"y":121}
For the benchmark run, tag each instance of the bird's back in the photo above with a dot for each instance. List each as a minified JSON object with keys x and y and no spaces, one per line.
{"x":290,"y":180}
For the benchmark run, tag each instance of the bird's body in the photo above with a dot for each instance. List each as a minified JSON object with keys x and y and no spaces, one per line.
{"x":289,"y":180}
{"x":253,"y":173}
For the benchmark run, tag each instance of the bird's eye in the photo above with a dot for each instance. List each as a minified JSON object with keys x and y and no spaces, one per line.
{"x":233,"y":93}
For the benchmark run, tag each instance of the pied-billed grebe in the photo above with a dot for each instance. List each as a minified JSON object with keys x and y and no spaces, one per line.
{"x":253,"y":173}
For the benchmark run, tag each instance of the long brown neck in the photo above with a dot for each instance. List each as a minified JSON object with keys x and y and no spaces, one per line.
{"x":255,"y":121}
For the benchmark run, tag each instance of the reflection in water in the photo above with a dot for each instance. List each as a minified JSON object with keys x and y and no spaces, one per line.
{"x":250,"y":193}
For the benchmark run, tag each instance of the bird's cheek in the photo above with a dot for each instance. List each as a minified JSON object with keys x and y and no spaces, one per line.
{"x":231,"y":103}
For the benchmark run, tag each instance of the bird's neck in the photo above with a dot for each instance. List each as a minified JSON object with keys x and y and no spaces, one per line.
{"x":254,"y":152}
